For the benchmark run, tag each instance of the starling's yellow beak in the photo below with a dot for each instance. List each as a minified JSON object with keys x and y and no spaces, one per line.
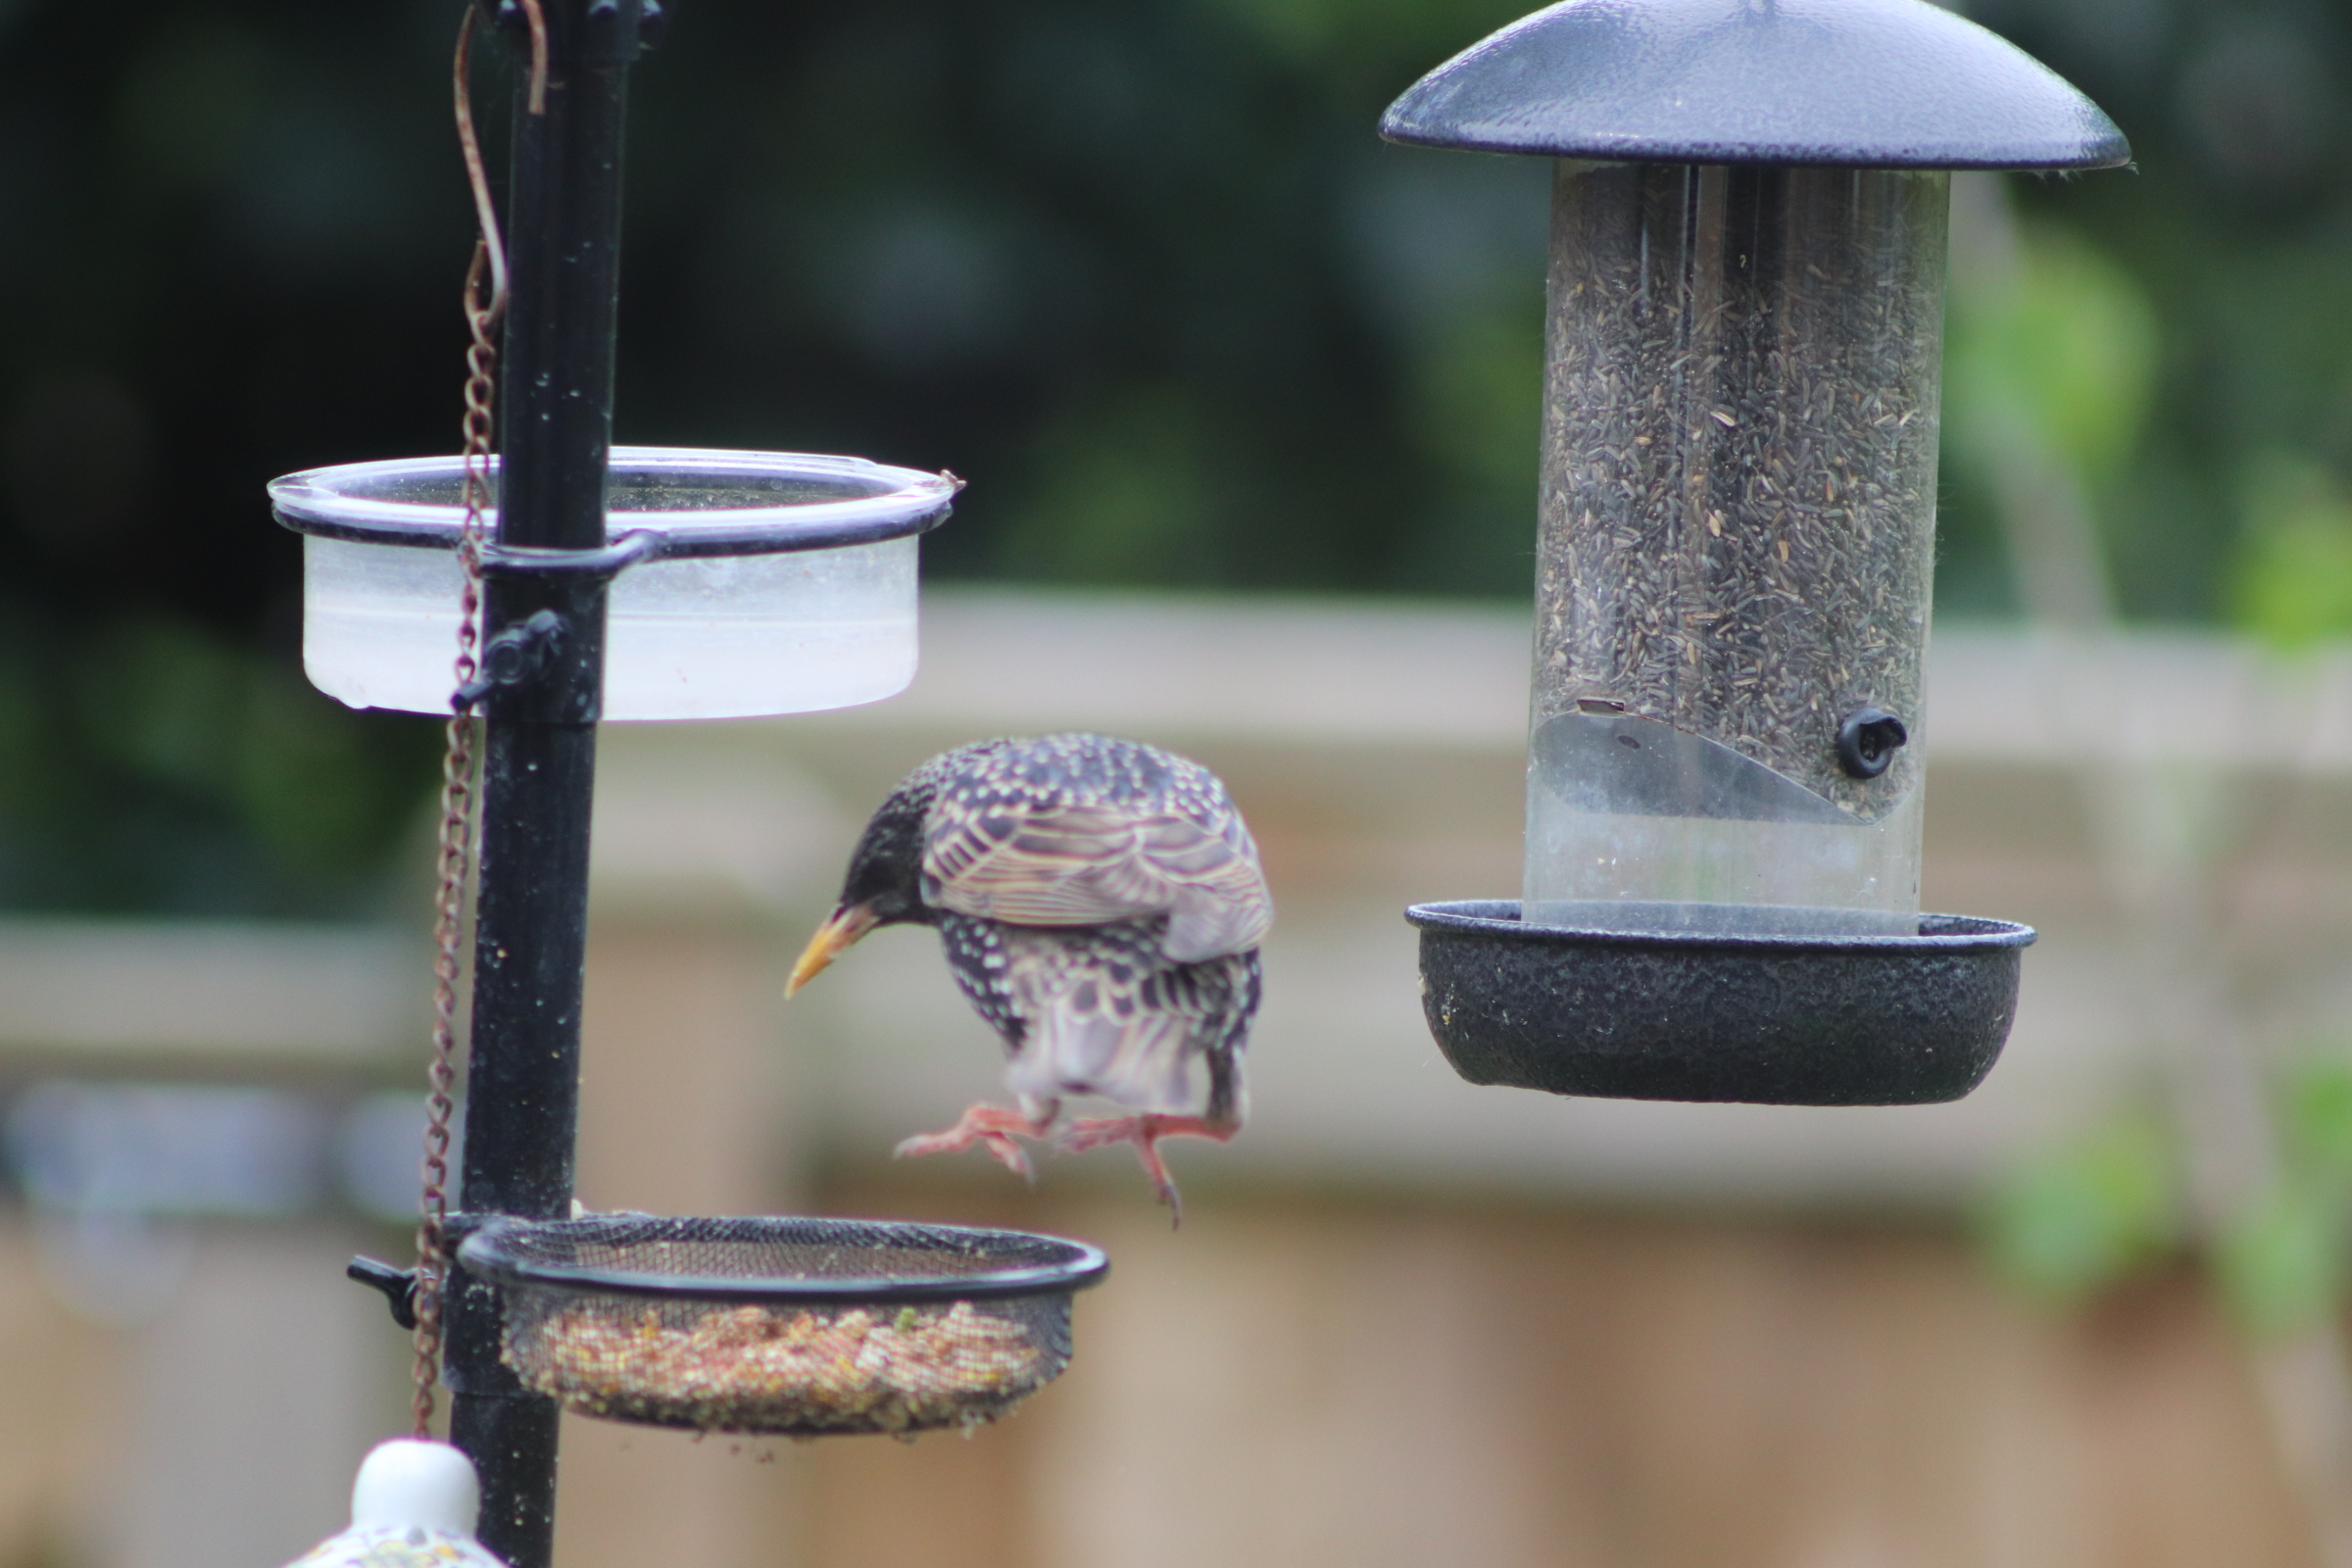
{"x":847,"y":924}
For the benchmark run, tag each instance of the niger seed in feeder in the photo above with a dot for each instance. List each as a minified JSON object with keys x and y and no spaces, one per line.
{"x":1769,"y":342}
{"x":1724,"y":346}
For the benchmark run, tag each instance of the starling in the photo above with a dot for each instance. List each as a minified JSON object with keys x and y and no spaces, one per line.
{"x":1100,"y":905}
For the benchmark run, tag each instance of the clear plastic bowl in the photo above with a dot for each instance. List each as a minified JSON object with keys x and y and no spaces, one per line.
{"x":785,"y":582}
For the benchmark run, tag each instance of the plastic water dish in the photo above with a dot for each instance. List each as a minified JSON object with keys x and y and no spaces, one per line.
{"x":782,"y":583}
{"x":802,"y":1327}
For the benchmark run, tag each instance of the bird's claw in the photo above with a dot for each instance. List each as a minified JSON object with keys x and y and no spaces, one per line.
{"x":1013,"y":1157}
{"x":1166,"y":1188}
{"x":1000,"y":1145}
{"x":1145,"y":1133}
{"x":989,"y":1126}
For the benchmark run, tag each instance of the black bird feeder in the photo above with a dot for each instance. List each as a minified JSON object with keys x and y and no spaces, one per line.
{"x":720,"y":584}
{"x":1735,"y":543}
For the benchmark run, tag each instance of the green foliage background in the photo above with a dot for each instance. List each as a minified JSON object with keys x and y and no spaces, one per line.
{"x":2086,"y":1212}
{"x":1141,"y":271}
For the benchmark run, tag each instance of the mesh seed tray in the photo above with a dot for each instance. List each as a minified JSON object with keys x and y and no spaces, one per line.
{"x":800,"y":1327}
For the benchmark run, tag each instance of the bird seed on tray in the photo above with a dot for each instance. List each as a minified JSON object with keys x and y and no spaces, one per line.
{"x":756,"y":1369}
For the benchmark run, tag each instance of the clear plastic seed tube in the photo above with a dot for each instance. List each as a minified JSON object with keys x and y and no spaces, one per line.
{"x":1736,"y":549}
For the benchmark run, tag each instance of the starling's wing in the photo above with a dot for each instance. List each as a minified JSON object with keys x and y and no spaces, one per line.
{"x":1104,"y":1014}
{"x":1057,"y":863}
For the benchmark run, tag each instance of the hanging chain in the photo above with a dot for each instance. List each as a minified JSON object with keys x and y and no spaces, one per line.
{"x":485,"y":302}
{"x":458,"y":797}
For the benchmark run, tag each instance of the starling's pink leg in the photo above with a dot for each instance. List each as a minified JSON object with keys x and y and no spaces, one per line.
{"x":1145,"y":1133}
{"x":993,"y":1125}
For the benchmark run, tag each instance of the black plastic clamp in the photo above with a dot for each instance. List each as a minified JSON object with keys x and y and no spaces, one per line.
{"x":546,"y":662}
{"x":399,"y":1285}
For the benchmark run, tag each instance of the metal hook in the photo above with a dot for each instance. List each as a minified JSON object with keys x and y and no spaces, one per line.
{"x":538,"y":21}
{"x":484,"y":212}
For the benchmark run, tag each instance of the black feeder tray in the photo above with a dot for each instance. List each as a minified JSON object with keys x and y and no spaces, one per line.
{"x":787,"y":1326}
{"x":1855,"y":1020}
{"x":1736,"y":547}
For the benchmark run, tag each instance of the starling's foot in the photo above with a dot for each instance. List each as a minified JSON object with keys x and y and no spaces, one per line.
{"x":1145,"y":1133}
{"x":992,"y":1125}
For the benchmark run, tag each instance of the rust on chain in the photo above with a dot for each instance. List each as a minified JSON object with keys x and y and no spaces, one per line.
{"x":484,"y":301}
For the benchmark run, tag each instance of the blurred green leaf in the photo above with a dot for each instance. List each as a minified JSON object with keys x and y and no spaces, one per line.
{"x":1473,"y":403}
{"x":2282,"y":1264}
{"x":179,"y":769}
{"x":2319,"y":1118}
{"x":2293,"y":584}
{"x":1125,"y":492}
{"x":305,"y":783}
{"x":2063,"y":352}
{"x":161,"y":696}
{"x":2082,"y":1215}
{"x":1476,"y":398}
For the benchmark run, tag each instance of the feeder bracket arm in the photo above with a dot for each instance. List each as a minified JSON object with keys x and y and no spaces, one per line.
{"x":557,"y":566}
{"x":535,"y":666}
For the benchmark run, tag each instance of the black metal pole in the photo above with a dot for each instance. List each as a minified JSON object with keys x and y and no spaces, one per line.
{"x":562,"y":233}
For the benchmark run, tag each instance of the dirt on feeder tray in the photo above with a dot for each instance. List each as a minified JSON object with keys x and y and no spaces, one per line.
{"x":787,"y":1370}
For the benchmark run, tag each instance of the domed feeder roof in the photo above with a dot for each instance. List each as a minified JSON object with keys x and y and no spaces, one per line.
{"x":1863,"y":83}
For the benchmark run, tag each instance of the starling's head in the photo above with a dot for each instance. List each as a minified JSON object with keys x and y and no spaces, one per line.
{"x":884,"y":885}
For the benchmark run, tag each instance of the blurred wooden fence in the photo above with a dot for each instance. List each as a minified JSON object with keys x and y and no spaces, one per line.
{"x":1407,"y":1322}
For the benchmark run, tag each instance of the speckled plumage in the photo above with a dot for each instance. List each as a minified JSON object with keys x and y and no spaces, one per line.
{"x":1101,"y":1011}
{"x":1081,"y":829}
{"x":1100,"y":904}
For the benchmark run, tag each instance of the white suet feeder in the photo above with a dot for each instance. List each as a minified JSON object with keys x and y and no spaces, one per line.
{"x":414,"y":1505}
